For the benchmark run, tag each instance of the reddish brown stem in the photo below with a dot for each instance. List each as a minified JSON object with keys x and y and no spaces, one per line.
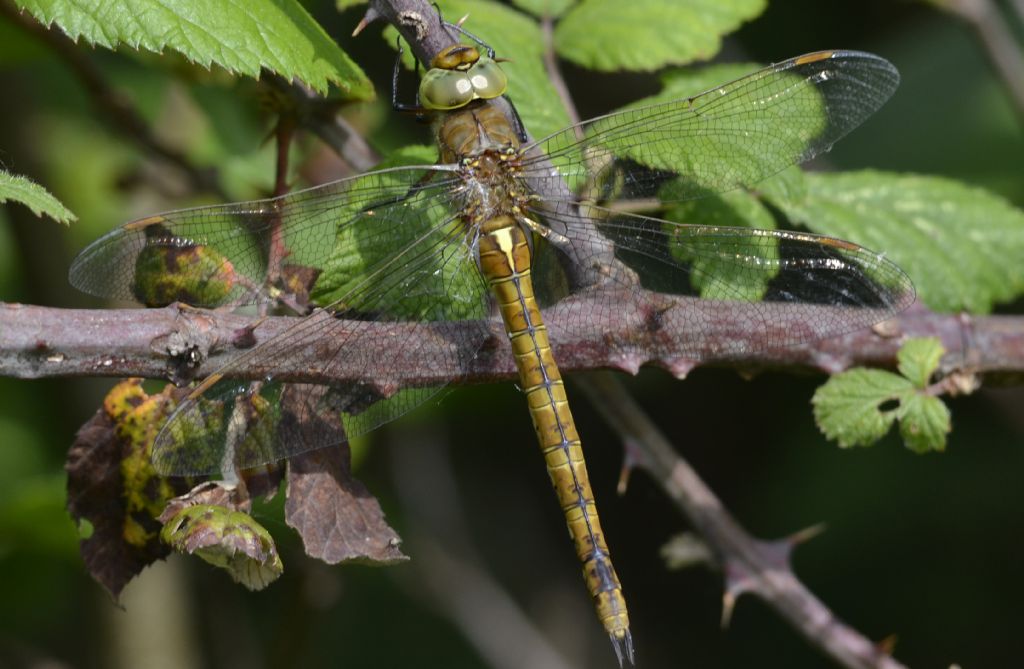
{"x":38,"y":342}
{"x":284,"y":131}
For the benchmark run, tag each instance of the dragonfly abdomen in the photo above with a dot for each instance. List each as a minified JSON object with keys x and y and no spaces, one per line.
{"x":505,"y":259}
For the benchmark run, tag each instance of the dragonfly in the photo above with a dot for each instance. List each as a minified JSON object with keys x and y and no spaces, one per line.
{"x":503,"y":227}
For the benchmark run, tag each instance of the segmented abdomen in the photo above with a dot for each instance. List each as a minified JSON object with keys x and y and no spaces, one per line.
{"x":505,"y":262}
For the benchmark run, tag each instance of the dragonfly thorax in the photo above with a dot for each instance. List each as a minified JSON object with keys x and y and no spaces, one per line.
{"x":473,"y":130}
{"x":490,"y":186}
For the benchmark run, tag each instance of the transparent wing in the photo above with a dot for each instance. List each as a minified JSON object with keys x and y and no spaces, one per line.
{"x":208,"y":256}
{"x":734,"y":135}
{"x":402,"y":261}
{"x":758,"y":289}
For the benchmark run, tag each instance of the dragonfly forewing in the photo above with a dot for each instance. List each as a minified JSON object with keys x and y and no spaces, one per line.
{"x":223,"y":254}
{"x":734,"y":135}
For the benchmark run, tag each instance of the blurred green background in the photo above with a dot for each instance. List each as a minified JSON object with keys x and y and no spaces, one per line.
{"x":924,"y":549}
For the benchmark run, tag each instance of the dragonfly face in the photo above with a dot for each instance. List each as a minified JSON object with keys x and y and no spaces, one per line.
{"x":457,"y":76}
{"x":428,"y":253}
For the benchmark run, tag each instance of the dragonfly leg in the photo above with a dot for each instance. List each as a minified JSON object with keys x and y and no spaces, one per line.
{"x":462,"y":31}
{"x":416,"y":108}
{"x":545,"y":232}
{"x":517,"y":121}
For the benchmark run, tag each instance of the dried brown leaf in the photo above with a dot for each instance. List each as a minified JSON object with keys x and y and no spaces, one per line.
{"x":336,"y":516}
{"x":210,"y":493}
{"x":109,"y":488}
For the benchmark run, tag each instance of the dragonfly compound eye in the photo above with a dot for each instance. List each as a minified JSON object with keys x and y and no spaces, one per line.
{"x":488,"y":79}
{"x":446,"y":89}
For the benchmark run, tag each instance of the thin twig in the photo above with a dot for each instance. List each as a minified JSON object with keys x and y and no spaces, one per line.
{"x":284,"y":131}
{"x":450,"y":568}
{"x":113,"y":107}
{"x":321,"y":117}
{"x":1002,"y":47}
{"x":751,"y":565}
{"x":554,"y":72}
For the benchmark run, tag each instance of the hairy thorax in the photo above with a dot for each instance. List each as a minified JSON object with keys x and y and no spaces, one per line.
{"x":481,"y":140}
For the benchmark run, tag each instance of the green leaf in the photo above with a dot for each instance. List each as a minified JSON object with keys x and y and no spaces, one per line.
{"x":542,"y":8}
{"x":228,"y":539}
{"x":962,"y":246}
{"x":645,"y":35}
{"x":515,"y":36}
{"x":924,"y":423}
{"x":710,"y":275}
{"x":454,"y":288}
{"x":709,"y":160}
{"x":687,"y":82}
{"x":239,"y":36}
{"x":17,"y":188}
{"x":847,"y":408}
{"x":918,"y":359}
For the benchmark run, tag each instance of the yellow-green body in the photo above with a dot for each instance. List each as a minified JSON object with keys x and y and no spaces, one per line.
{"x":482,"y":138}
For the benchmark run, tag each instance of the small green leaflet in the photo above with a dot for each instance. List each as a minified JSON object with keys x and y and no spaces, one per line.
{"x":924,"y":423}
{"x":962,"y":246}
{"x":849,"y":407}
{"x":646,"y":35}
{"x":239,"y":36}
{"x":918,"y":359}
{"x":16,"y":188}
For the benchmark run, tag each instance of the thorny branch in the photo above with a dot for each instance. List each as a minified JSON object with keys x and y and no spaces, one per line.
{"x":749,"y":565}
{"x":179,"y":342}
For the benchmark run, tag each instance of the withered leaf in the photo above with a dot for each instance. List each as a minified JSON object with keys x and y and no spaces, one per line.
{"x":171,"y":269}
{"x":209,"y":493}
{"x":336,"y":516}
{"x":298,"y":281}
{"x":111,"y":486}
{"x":229,"y":539}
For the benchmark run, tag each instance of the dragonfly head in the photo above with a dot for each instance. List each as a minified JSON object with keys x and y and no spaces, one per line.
{"x":457,"y":76}
{"x":456,"y":57}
